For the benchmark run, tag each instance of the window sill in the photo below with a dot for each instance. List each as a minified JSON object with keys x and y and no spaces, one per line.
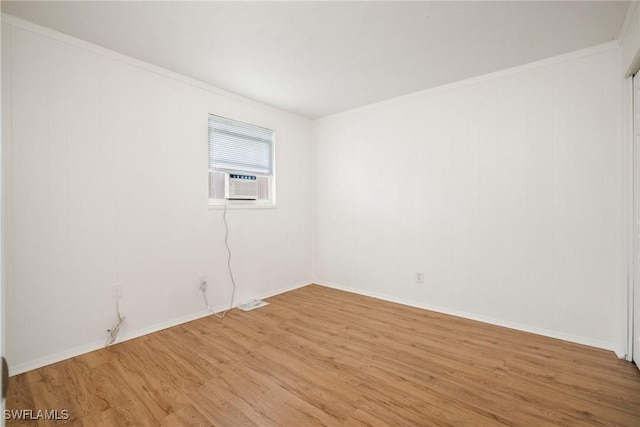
{"x":241,"y":204}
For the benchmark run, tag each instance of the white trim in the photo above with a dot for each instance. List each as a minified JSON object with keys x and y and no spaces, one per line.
{"x":68,"y":354}
{"x":485,"y":319}
{"x":241,"y":204}
{"x":278,"y":291}
{"x":3,"y":323}
{"x":593,"y":50}
{"x":628,"y":162}
{"x":85,"y":45}
{"x":82,"y":44}
{"x":627,"y":20}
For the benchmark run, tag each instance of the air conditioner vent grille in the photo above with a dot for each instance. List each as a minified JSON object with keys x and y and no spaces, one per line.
{"x":241,"y":187}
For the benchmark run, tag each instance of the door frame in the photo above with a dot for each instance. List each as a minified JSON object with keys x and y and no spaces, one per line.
{"x":629,"y":173}
{"x":630,"y":166}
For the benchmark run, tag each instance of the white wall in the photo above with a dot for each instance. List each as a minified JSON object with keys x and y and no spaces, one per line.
{"x":505,"y":190}
{"x":106,"y":182}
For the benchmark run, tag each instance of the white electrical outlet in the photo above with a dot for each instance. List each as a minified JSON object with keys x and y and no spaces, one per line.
{"x":116,"y":290}
{"x":419,"y":277}
{"x":202,"y":281}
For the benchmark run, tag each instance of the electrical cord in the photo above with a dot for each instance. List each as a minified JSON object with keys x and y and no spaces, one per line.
{"x":233,"y":281}
{"x":113,"y":332}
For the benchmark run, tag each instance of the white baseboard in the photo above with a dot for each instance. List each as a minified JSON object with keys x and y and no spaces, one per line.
{"x":58,"y":357}
{"x":280,"y":291}
{"x":68,"y":354}
{"x":485,"y":319}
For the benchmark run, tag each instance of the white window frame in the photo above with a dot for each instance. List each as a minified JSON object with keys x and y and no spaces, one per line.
{"x":244,"y":204}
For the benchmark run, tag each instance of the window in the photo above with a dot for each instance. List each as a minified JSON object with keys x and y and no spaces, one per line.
{"x":237,"y":148}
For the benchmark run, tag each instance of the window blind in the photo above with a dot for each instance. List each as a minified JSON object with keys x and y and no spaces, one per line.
{"x":239,"y":146}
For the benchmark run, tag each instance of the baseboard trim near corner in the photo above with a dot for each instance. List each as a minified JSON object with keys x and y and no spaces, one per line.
{"x":484,"y":319}
{"x":68,"y":354}
{"x":280,"y":291}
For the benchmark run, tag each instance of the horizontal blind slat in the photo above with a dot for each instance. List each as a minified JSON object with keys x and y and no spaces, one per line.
{"x":239,"y":146}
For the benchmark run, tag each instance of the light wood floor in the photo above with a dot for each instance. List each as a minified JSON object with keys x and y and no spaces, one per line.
{"x":318,"y":356}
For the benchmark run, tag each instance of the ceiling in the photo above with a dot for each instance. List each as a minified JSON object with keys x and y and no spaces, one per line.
{"x":319,"y":58}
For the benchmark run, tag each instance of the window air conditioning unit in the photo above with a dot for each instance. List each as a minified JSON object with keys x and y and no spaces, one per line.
{"x":240,"y":187}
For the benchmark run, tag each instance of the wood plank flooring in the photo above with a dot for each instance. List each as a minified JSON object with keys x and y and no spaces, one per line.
{"x":318,"y":356}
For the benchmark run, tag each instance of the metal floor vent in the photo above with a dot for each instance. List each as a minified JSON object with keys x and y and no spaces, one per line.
{"x":252,"y":305}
